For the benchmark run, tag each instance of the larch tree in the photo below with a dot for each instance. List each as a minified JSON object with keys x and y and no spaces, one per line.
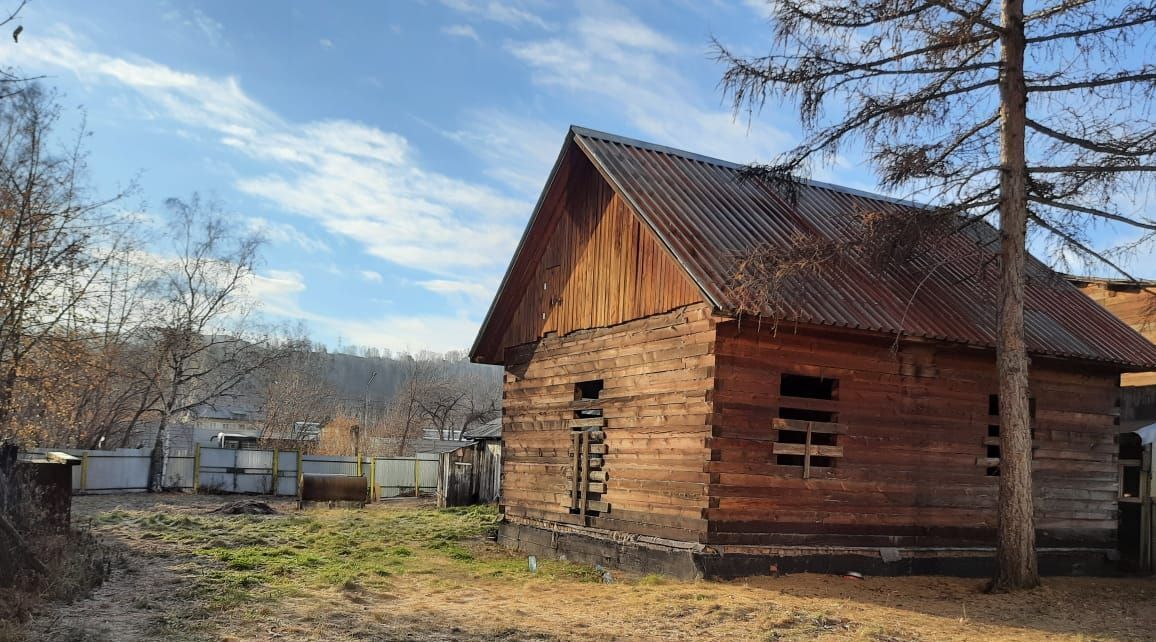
{"x":1039,"y":116}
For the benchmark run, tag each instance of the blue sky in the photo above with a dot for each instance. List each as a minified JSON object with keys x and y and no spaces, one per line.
{"x":391,"y":152}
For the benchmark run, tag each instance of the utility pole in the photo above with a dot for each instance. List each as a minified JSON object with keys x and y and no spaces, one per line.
{"x":364,"y":414}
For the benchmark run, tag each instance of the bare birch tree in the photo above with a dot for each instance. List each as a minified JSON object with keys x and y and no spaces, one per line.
{"x":1041,"y":118}
{"x":204,"y":343}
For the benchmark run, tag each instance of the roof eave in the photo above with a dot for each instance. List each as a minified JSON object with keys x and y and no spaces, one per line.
{"x":521,"y":245}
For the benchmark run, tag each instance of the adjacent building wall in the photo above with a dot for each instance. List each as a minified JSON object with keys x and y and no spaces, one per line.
{"x":1135,"y":304}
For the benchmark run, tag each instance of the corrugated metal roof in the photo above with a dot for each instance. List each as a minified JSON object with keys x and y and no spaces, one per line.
{"x":439,"y":446}
{"x":705,"y":215}
{"x":490,"y":430}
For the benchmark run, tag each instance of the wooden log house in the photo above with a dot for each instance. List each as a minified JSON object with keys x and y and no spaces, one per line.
{"x":646,"y":425}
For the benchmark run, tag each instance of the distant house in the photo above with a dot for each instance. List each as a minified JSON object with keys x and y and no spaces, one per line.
{"x":304,"y":435}
{"x":647,"y":425}
{"x":229,"y":423}
{"x":452,"y":434}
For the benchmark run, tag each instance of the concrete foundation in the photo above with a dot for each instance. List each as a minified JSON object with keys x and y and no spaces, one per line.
{"x":686,"y":560}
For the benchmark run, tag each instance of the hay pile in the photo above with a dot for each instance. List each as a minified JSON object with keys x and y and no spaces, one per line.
{"x":245,"y":507}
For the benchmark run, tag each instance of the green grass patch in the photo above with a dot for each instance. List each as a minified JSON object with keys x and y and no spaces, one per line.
{"x":261,"y":557}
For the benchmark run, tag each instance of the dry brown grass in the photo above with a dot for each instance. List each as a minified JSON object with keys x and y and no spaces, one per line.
{"x":69,"y":562}
{"x":407,"y":572}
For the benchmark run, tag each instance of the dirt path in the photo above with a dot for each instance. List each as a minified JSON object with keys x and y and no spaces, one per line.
{"x":146,"y":599}
{"x":130,"y":607}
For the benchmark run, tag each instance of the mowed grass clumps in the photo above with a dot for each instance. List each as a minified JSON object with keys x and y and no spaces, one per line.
{"x":261,"y":557}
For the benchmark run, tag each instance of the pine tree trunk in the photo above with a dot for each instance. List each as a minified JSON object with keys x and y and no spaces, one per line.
{"x":1016,"y":566}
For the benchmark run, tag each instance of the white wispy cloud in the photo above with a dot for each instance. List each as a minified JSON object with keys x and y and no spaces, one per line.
{"x":408,"y":333}
{"x":762,"y":8}
{"x":478,"y":292}
{"x":462,"y":31}
{"x":363,"y":183}
{"x":326,"y":43}
{"x":211,"y":29}
{"x":517,"y":151}
{"x":372,"y":276}
{"x":279,"y":292}
{"x":287,"y":234}
{"x":608,"y":56}
{"x":511,"y":13}
{"x":198,"y":101}
{"x":356,"y":180}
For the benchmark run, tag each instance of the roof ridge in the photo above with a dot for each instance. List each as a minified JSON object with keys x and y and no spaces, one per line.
{"x":711,"y":160}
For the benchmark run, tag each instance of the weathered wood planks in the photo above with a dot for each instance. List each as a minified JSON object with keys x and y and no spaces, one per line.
{"x":1135,"y":304}
{"x":657,"y":376}
{"x":589,"y":262}
{"x":914,"y":463}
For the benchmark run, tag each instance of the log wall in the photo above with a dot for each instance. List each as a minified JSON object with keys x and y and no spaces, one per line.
{"x":657,"y":374}
{"x":912,"y":470}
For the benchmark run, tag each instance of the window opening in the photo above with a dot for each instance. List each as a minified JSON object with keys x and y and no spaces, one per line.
{"x":588,"y":389}
{"x":992,"y":444}
{"x":807,"y":438}
{"x":793,"y":385}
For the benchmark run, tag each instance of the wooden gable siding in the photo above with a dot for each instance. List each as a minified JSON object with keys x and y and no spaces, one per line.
{"x":916,"y":425}
{"x":1134,"y":305}
{"x":657,"y":375}
{"x":592,"y":264}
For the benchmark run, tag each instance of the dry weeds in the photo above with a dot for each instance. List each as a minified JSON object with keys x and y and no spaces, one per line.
{"x":405,"y":571}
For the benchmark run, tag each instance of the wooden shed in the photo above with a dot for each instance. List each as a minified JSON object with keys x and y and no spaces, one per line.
{"x":646,"y":426}
{"x":472,"y":474}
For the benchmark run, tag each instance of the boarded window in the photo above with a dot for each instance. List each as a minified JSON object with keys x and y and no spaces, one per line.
{"x":587,"y":392}
{"x":807,"y":437}
{"x":586,"y":477}
{"x":992,"y":444}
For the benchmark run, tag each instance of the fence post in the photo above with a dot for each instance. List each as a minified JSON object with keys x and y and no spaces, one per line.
{"x":196,"y":468}
{"x":372,"y":479}
{"x":300,"y":473}
{"x":416,"y":476}
{"x":276,"y":473}
{"x":359,"y":465}
{"x":84,"y":471}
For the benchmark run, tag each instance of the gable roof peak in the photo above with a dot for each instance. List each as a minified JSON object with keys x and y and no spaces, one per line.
{"x":704,"y":215}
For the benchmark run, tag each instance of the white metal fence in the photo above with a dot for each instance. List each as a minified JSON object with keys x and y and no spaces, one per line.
{"x":226,"y":470}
